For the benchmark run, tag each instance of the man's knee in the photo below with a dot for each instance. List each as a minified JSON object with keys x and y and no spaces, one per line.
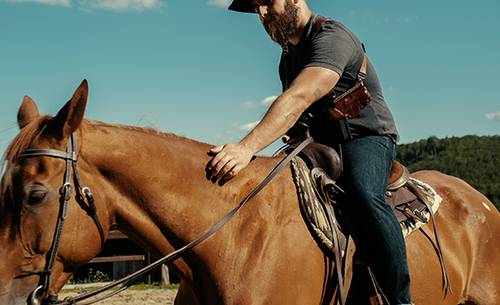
{"x":365,"y":205}
{"x":361,"y":197}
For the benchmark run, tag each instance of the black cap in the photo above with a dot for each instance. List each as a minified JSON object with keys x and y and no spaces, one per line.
{"x":243,"y":6}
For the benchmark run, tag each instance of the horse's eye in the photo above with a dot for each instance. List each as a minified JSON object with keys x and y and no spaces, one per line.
{"x":36,"y":196}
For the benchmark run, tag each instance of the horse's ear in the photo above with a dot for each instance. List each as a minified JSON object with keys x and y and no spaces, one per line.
{"x":27,"y":112}
{"x":68,"y":119}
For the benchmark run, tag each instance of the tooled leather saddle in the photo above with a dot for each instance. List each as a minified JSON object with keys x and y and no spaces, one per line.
{"x":412,"y":201}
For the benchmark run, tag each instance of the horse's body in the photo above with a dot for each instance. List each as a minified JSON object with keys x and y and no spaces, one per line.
{"x":153,"y":187}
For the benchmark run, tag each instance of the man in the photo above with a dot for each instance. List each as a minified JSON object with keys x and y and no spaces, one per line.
{"x":315,"y":59}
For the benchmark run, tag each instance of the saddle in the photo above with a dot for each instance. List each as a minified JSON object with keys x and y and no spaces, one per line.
{"x":412,"y":201}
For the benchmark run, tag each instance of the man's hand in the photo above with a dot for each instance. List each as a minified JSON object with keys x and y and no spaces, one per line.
{"x":228,"y":160}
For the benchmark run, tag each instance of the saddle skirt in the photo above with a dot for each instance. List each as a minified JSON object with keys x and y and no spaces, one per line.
{"x":412,"y":201}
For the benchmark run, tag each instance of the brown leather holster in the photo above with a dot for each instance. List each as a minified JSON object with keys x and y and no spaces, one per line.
{"x":349,"y":104}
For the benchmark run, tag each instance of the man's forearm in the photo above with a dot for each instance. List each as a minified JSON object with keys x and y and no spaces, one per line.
{"x":309,"y":86}
{"x":280,"y":117}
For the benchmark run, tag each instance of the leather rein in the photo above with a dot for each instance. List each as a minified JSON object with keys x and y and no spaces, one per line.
{"x":84,"y":194}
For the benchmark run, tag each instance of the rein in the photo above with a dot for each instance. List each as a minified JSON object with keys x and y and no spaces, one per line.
{"x":36,"y":297}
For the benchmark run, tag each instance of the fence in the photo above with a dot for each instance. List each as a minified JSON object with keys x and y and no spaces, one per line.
{"x":120,"y":257}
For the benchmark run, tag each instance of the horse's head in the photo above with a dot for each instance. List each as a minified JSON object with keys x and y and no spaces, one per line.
{"x":31,"y":198}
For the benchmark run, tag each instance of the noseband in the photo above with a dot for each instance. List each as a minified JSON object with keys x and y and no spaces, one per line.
{"x":84,"y":194}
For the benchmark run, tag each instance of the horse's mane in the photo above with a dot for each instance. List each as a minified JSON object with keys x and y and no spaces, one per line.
{"x":146,"y":130}
{"x":26,"y":136}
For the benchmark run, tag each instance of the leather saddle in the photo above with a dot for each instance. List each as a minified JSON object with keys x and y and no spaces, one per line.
{"x":315,"y":172}
{"x":406,"y":200}
{"x":317,"y":155}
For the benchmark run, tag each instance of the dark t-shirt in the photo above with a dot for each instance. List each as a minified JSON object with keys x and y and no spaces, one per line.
{"x":335,"y":47}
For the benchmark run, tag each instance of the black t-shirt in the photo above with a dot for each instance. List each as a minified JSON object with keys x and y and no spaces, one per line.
{"x":335,"y":47}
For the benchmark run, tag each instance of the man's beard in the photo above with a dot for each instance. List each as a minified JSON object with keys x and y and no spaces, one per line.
{"x":282,"y":28}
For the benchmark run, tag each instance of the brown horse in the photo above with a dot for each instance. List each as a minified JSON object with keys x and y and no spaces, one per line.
{"x":153,"y":187}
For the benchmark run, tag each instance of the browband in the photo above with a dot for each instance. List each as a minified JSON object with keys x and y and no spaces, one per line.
{"x":31,"y":153}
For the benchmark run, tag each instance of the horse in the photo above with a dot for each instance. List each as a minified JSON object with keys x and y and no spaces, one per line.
{"x":152,"y":186}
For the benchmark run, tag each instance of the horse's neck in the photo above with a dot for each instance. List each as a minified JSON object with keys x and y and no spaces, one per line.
{"x":156,"y":190}
{"x":155,"y":185}
{"x":147,"y":180}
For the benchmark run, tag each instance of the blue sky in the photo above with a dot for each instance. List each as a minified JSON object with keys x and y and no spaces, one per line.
{"x":193,"y":68}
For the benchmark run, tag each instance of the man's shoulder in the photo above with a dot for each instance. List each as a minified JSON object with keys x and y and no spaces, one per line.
{"x":333,"y":27}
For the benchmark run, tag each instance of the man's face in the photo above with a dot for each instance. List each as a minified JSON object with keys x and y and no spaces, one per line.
{"x":281,"y":26}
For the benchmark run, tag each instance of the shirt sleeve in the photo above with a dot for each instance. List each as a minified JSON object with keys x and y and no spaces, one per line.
{"x":332,"y":48}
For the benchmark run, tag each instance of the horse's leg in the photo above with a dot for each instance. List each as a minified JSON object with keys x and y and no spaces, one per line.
{"x":185,"y":295}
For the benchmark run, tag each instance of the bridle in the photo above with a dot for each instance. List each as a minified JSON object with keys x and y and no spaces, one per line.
{"x":84,"y":194}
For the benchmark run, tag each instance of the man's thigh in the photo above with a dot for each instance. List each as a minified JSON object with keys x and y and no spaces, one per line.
{"x":367,"y":163}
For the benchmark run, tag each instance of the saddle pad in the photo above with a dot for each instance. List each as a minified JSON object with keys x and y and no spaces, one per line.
{"x":425,"y":193}
{"x":321,"y":216}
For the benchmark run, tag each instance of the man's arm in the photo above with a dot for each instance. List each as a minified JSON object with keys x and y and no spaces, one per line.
{"x":309,"y":86}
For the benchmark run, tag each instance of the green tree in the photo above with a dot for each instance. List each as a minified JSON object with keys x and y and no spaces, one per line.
{"x":475,"y":159}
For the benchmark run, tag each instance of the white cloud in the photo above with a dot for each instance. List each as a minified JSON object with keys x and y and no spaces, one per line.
{"x":66,"y":3}
{"x":228,"y":134}
{"x":121,"y":5}
{"x":235,"y":132}
{"x":219,"y":3}
{"x":248,"y":126}
{"x":237,"y":128}
{"x":248,"y":104}
{"x":113,"y":5}
{"x":493,"y":116}
{"x":268,"y":101}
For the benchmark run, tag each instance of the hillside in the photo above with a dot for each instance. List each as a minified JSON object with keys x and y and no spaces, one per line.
{"x":475,"y":159}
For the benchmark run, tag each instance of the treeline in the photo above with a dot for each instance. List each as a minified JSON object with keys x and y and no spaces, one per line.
{"x":475,"y":159}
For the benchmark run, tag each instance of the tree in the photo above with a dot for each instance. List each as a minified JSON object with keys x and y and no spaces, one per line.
{"x":475,"y":159}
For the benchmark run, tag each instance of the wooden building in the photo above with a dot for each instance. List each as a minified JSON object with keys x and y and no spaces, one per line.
{"x":121,"y":257}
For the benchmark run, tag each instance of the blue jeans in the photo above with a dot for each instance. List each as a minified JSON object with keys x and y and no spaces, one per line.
{"x":376,"y":231}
